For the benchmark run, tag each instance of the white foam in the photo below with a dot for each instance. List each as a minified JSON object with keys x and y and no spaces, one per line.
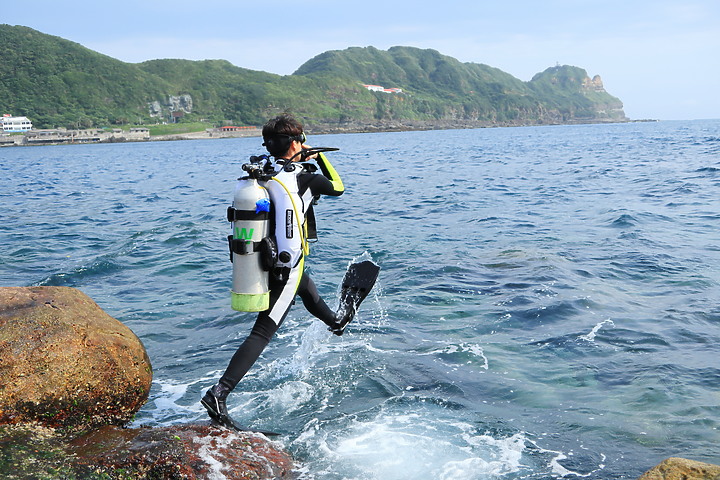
{"x":291,"y":396}
{"x":471,"y":469}
{"x":315,"y":342}
{"x":560,"y":470}
{"x":590,"y":337}
{"x":361,"y":258}
{"x":206,"y":453}
{"x":471,"y":348}
{"x":171,"y":402}
{"x":210,"y":449}
{"x":402,"y":444}
{"x":171,"y":392}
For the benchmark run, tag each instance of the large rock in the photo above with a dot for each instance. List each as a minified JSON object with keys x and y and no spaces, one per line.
{"x":186,"y":452}
{"x":65,"y":363}
{"x":191,"y":451}
{"x":682,"y":469}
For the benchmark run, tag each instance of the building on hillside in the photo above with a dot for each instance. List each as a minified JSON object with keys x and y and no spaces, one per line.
{"x":15,"y":124}
{"x":378,"y":88}
{"x":176,"y":116}
{"x":374,"y":88}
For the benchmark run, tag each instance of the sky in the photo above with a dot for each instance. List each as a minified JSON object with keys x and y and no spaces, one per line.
{"x":660,"y":57}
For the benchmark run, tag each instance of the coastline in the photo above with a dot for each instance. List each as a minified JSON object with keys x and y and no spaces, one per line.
{"x":92,"y":136}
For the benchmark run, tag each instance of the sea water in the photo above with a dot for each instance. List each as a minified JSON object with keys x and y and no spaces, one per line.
{"x":548,"y":305}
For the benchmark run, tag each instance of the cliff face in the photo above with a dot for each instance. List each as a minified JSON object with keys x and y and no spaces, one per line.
{"x":595,"y":84}
{"x":575,"y":96}
{"x":607,"y":106}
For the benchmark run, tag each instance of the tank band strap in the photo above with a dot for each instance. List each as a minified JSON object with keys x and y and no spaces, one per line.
{"x":234,"y":215}
{"x":242,"y":247}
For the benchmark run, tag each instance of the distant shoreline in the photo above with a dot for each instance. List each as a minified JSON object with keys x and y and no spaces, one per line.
{"x":42,"y":137}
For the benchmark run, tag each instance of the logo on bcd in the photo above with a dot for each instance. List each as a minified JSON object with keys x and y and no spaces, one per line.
{"x":288,"y":223}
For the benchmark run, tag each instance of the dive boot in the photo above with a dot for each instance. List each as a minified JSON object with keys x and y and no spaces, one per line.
{"x":216,"y":406}
{"x":215,"y":403}
{"x":336,"y":327}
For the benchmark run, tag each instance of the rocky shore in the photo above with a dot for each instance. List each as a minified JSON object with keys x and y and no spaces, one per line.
{"x":71,"y":379}
{"x":142,"y":135}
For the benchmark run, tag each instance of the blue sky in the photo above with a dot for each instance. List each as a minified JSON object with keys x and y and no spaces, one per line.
{"x":660,"y":57}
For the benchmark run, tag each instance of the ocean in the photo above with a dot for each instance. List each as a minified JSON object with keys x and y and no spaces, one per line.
{"x":548,"y":305}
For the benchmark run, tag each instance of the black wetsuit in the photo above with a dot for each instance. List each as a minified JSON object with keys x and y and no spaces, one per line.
{"x":328,"y":183}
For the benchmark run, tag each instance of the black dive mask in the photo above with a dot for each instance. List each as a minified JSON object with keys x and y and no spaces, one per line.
{"x":279,"y":143}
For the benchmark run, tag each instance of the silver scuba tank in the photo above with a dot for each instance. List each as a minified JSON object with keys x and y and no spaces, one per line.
{"x":249,"y":214}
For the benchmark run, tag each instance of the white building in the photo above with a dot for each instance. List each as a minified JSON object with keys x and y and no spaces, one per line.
{"x":374,"y":88}
{"x":379,"y":88}
{"x":15,"y":124}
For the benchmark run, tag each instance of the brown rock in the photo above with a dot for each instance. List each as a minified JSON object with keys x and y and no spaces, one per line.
{"x":66,"y":363}
{"x":33,"y":451}
{"x":682,"y":469}
{"x":182,"y":451}
{"x":188,"y":452}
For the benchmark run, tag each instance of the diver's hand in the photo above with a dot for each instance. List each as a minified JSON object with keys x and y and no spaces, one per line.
{"x":309,"y":157}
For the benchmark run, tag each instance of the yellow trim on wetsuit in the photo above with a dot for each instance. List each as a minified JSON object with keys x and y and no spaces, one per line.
{"x":330,"y":172}
{"x":299,"y":217}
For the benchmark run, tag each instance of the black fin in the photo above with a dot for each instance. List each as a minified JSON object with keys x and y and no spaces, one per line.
{"x":357,"y":284}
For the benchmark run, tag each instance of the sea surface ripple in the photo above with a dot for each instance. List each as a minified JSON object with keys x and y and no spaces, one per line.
{"x":548,"y":305}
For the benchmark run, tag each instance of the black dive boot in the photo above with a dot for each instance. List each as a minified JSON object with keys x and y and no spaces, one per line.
{"x":341,"y":320}
{"x":214,"y":402}
{"x":334,"y":325}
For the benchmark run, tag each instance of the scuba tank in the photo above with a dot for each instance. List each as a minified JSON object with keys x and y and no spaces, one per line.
{"x":253,"y":245}
{"x":251,"y":250}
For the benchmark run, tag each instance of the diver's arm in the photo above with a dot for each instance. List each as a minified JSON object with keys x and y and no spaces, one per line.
{"x":319,"y":185}
{"x":331,"y":174}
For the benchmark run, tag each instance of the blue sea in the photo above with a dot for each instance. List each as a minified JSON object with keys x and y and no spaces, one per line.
{"x":548,"y":305}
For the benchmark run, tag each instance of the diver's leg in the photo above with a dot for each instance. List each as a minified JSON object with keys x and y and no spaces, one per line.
{"x":308,"y":292}
{"x":247,"y":354}
{"x":249,"y":351}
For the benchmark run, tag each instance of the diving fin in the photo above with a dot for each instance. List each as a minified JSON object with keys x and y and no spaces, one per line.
{"x":359,"y":280}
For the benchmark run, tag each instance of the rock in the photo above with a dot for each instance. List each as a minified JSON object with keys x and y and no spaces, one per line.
{"x":180,"y":451}
{"x":188,"y":452}
{"x":65,"y":363}
{"x":33,"y":451}
{"x":682,"y":469}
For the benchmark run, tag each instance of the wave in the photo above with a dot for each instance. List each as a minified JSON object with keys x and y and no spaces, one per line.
{"x":623,"y":221}
{"x":82,"y":274}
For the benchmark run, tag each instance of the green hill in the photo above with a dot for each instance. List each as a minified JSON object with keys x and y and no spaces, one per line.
{"x":56,"y":82}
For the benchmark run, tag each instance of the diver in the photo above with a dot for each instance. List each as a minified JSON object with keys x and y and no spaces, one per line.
{"x":284,"y":139}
